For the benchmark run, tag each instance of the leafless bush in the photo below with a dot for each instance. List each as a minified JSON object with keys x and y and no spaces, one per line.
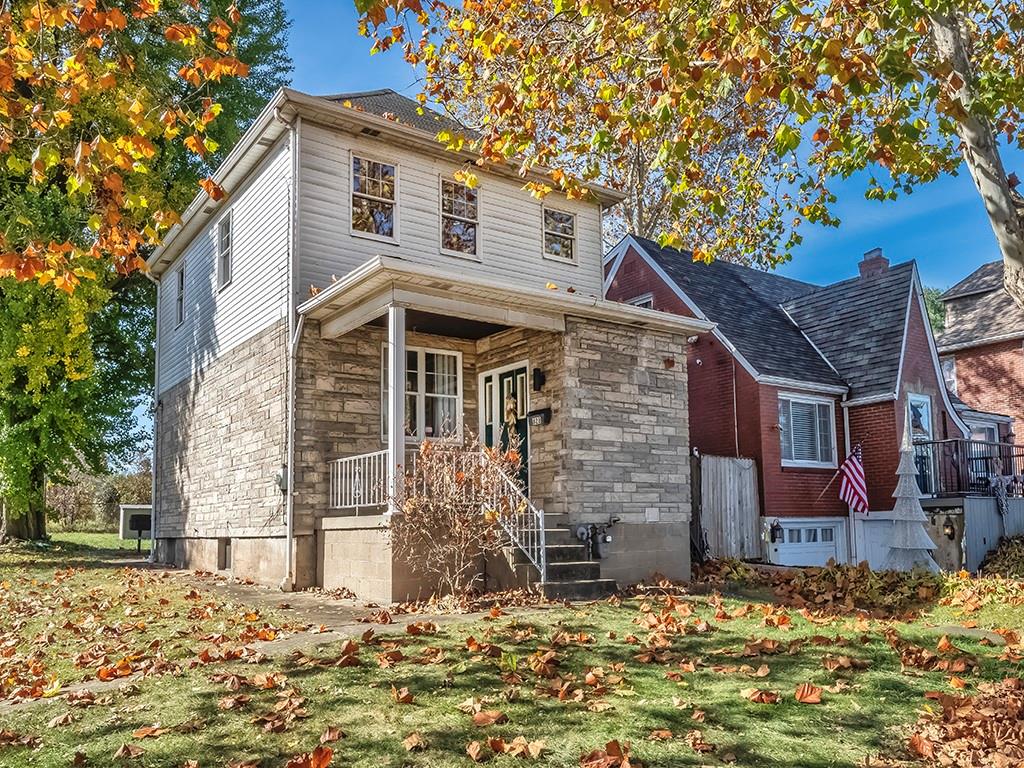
{"x":452,"y":499}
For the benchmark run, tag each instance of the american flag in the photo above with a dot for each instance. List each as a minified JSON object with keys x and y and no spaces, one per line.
{"x":854,"y":488}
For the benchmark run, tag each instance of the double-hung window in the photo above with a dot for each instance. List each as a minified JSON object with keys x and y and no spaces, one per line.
{"x":374,"y":198}
{"x":460,"y":218}
{"x":807,"y":432}
{"x":179,"y":296}
{"x":559,"y":235}
{"x":433,"y":393}
{"x":224,"y":251}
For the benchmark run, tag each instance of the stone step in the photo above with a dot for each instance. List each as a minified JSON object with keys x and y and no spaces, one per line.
{"x":574,"y":570}
{"x":556,"y":553}
{"x":559,"y":536}
{"x":583,"y":589}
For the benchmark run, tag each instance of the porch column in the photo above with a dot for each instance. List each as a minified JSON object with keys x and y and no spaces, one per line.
{"x":396,"y":405}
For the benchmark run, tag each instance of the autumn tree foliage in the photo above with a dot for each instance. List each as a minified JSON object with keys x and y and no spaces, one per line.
{"x":104,"y":110}
{"x":743,"y":112}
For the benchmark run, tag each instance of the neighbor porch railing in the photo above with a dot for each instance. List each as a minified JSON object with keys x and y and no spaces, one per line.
{"x":359,"y":484}
{"x":969,"y":468}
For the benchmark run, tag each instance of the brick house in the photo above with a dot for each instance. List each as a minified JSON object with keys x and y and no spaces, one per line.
{"x":793,"y":375}
{"x":349,"y":281}
{"x":982,"y":353}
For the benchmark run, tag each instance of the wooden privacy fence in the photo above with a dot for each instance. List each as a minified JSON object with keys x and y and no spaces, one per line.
{"x":729,"y":515}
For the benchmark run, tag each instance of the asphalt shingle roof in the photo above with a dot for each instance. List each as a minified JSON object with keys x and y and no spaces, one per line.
{"x":392,"y":105}
{"x":978,"y":308}
{"x":858,"y":325}
{"x":848,"y":333}
{"x":745,"y":304}
{"x":987,"y":277}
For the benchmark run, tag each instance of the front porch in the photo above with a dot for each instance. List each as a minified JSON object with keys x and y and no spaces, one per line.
{"x":595,"y":400}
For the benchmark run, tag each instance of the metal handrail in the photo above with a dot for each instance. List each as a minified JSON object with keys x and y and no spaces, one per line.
{"x":525,"y":526}
{"x":359,"y":481}
{"x":958,"y":467}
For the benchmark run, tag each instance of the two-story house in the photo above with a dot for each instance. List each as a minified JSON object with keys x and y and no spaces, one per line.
{"x":348,"y":282}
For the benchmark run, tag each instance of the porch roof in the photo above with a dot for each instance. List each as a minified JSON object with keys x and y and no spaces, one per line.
{"x":366,"y":292}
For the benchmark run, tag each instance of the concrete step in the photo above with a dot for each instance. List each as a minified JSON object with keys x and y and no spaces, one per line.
{"x":574,"y":570}
{"x":557,"y":553}
{"x":584,"y":589}
{"x":559,"y":536}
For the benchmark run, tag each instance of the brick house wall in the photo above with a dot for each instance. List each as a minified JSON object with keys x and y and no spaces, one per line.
{"x":990,"y":378}
{"x":919,"y":377}
{"x":730,"y":413}
{"x":874,"y":427}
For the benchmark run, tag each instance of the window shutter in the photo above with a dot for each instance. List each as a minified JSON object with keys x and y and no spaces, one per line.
{"x":805,"y":433}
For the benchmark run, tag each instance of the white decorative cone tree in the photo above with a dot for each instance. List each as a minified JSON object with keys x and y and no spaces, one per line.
{"x":911,"y":546}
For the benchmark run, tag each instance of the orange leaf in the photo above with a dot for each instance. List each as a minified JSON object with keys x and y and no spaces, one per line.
{"x":806,"y":693}
{"x":214,"y":190}
{"x":401,"y":695}
{"x":475,"y":750}
{"x":489,"y":717}
{"x":921,"y":746}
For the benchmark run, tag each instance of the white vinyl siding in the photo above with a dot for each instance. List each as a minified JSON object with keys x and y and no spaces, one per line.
{"x":509,"y":247}
{"x":216,"y":322}
{"x":807,"y":431}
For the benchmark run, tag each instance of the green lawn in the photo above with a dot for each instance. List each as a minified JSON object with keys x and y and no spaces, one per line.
{"x":655,"y":665}
{"x":97,"y":541}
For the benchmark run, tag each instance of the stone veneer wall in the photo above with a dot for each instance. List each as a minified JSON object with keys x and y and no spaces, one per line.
{"x":627,"y":445}
{"x":221,"y":441}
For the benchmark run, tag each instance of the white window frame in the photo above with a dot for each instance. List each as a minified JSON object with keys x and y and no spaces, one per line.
{"x":421,"y":395}
{"x":352,"y":194}
{"x":180,"y":291}
{"x":644,"y":301}
{"x":925,"y":400}
{"x":811,"y":399}
{"x":544,"y":232}
{"x":441,"y":215}
{"x":227,"y":219}
{"x":951,"y":359}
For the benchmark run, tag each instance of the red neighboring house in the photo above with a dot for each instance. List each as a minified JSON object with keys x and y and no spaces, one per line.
{"x":794,"y":374}
{"x":982,"y":349}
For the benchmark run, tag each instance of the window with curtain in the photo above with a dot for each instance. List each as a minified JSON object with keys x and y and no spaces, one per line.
{"x":433,"y":393}
{"x":806,"y":431}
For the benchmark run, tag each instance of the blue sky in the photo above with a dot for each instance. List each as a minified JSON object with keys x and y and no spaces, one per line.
{"x":942,"y":225}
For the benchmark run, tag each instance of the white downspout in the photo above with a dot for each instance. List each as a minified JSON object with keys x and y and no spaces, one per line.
{"x":851,"y":533}
{"x":294,"y":335}
{"x":156,"y":417}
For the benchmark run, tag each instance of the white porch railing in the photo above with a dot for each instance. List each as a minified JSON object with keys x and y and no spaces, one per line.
{"x":359,"y":482}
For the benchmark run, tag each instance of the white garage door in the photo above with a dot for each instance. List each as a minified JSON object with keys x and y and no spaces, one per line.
{"x":808,"y":542}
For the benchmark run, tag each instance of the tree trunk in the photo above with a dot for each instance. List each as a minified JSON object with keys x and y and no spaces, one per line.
{"x":981,"y":154}
{"x":30,"y":525}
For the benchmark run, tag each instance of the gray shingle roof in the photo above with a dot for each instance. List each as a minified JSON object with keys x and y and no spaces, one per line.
{"x":987,"y":277}
{"x":388,"y":103}
{"x":976,"y":317}
{"x":745,"y":304}
{"x":848,"y":333}
{"x":858,"y":325}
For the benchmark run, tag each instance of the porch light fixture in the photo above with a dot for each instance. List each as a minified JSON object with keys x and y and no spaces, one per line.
{"x":281,"y":478}
{"x":948,"y":529}
{"x":539,"y":379}
{"x":776,"y":532}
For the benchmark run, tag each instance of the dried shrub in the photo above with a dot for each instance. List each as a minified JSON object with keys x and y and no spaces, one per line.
{"x":452,"y":499}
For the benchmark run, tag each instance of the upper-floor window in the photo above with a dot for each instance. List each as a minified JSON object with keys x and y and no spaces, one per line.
{"x":559,"y":235}
{"x":646,"y":301}
{"x":460,"y":218}
{"x":374,"y":198}
{"x":806,"y":430}
{"x":920,"y":416}
{"x":224,"y":251}
{"x":179,"y":296}
{"x":949,"y":373}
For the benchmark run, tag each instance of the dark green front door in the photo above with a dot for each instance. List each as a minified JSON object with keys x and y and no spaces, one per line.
{"x":505,"y":403}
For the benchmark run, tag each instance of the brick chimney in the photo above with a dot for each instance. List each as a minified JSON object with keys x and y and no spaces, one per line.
{"x":874,"y":263}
